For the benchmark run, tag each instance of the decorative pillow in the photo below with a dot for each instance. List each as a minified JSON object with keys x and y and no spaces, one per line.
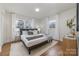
{"x":30,"y":33}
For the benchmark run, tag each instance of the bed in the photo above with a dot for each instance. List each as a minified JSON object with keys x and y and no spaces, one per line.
{"x":32,"y":41}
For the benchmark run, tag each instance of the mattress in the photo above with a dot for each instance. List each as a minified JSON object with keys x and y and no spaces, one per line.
{"x":33,"y":42}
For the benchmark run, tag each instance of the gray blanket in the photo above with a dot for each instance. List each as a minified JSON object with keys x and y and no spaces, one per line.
{"x":35,"y":37}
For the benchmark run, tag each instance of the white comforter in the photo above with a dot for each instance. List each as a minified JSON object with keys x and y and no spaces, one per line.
{"x":34,"y":41}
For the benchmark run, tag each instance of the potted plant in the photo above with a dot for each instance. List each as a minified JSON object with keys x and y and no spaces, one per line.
{"x":70,"y":24}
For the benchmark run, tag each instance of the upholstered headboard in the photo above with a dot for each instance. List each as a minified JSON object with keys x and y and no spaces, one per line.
{"x":28,"y":30}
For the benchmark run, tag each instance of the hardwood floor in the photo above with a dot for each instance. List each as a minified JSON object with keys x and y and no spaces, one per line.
{"x":6,"y":49}
{"x":56,"y":50}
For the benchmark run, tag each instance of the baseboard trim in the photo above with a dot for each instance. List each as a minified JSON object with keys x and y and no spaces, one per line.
{"x":57,"y":40}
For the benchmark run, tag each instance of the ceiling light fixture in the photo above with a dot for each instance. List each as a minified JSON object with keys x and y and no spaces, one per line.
{"x":37,"y":9}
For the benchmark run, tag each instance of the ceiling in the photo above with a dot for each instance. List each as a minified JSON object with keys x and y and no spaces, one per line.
{"x":28,"y":9}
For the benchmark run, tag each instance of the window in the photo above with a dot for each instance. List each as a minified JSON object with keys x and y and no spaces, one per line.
{"x":52,"y":24}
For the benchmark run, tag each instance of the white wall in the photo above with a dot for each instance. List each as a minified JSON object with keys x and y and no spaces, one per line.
{"x":43,"y":25}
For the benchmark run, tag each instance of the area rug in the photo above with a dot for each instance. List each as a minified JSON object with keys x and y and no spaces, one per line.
{"x":18,"y":49}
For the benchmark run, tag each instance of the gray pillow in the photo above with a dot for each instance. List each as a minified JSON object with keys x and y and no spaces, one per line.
{"x":30,"y":33}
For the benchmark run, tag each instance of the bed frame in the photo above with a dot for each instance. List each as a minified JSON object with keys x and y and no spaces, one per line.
{"x":35,"y":46}
{"x":29,"y":48}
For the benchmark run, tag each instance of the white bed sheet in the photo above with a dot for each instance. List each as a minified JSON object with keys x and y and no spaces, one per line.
{"x":34,"y":41}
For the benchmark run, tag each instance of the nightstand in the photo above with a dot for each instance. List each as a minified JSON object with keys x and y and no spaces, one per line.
{"x":69,"y":45}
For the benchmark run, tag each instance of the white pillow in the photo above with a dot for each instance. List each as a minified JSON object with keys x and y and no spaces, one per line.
{"x":35,"y":32}
{"x":24,"y":33}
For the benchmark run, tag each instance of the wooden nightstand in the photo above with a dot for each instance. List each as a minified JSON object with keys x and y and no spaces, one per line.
{"x":69,"y":46}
